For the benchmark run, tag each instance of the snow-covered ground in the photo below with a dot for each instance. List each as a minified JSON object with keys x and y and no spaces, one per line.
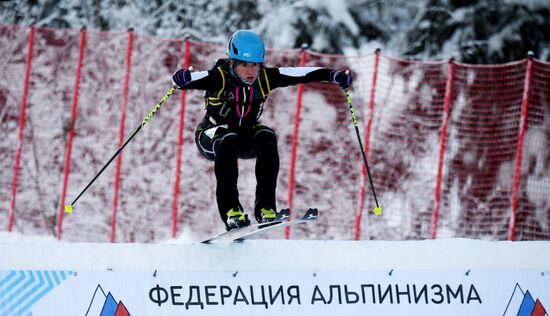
{"x":184,"y":254}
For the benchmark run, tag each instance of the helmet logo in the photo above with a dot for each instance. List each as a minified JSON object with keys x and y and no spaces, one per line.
{"x":247,"y":54}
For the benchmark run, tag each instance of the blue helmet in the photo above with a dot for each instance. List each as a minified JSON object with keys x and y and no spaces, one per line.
{"x":247,"y":46}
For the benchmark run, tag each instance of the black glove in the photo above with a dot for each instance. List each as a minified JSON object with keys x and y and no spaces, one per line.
{"x":181,"y":78}
{"x":343,"y":78}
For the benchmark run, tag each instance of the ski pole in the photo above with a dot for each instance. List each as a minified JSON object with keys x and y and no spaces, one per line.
{"x":69,"y":207}
{"x":377,"y":210}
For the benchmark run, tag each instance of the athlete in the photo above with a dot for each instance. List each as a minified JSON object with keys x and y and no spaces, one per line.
{"x":236,"y":89}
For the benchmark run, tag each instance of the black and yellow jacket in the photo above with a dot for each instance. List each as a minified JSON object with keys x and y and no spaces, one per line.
{"x":230,"y":101}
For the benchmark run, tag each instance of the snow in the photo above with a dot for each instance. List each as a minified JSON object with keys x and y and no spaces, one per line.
{"x":334,"y":22}
{"x":28,"y":252}
{"x":149,"y":250}
{"x":349,"y":26}
{"x":531,"y":4}
{"x":339,"y":12}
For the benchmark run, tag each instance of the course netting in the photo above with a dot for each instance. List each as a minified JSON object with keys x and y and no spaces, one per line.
{"x":455,"y":150}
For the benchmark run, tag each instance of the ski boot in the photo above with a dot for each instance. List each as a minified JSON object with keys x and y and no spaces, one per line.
{"x":266,"y":215}
{"x":236,"y":219}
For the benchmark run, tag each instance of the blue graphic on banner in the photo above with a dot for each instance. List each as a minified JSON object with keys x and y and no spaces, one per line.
{"x":20,"y":290}
{"x":103,"y":304}
{"x":522,"y":303}
{"x":527,"y":305}
{"x":110,"y":306}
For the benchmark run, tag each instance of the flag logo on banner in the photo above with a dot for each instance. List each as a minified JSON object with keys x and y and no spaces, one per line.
{"x":522,"y":303}
{"x":105,"y":305}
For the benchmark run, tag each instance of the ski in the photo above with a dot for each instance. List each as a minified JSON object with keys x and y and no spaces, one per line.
{"x":241,"y":234}
{"x":283,"y":215}
{"x":311,"y":215}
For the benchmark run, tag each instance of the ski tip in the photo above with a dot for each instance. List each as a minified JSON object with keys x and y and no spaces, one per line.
{"x":311,"y":214}
{"x":68,"y":208}
{"x":283,"y":215}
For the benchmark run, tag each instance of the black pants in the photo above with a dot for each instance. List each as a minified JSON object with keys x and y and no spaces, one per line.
{"x":225,"y":146}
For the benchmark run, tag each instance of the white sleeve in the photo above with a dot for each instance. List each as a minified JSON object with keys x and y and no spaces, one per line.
{"x":296,"y":71}
{"x":198,"y":75}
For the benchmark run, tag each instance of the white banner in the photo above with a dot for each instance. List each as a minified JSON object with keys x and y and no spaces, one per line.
{"x":506,"y":293}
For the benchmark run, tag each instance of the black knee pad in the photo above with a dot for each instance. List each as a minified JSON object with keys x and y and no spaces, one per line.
{"x":265,"y":138}
{"x":227,"y":144}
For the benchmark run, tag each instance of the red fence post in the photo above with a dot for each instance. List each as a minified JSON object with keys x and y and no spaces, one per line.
{"x":71,"y":133}
{"x":180,"y":145}
{"x":443,"y":141}
{"x":519,"y":151}
{"x":361,"y":203}
{"x":295,"y":141}
{"x":121,"y":131}
{"x":21,"y":129}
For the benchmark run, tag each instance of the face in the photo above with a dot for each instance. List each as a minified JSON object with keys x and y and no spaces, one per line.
{"x":248,"y":71}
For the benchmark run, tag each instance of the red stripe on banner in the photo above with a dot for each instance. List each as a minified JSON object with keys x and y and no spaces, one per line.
{"x":21,"y":129}
{"x":180,"y":146}
{"x":442,"y":145}
{"x":121,"y":310}
{"x":295,"y":143}
{"x":519,"y":151}
{"x":71,"y":133}
{"x":121,"y":132}
{"x":538,"y":310}
{"x":359,"y":215}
